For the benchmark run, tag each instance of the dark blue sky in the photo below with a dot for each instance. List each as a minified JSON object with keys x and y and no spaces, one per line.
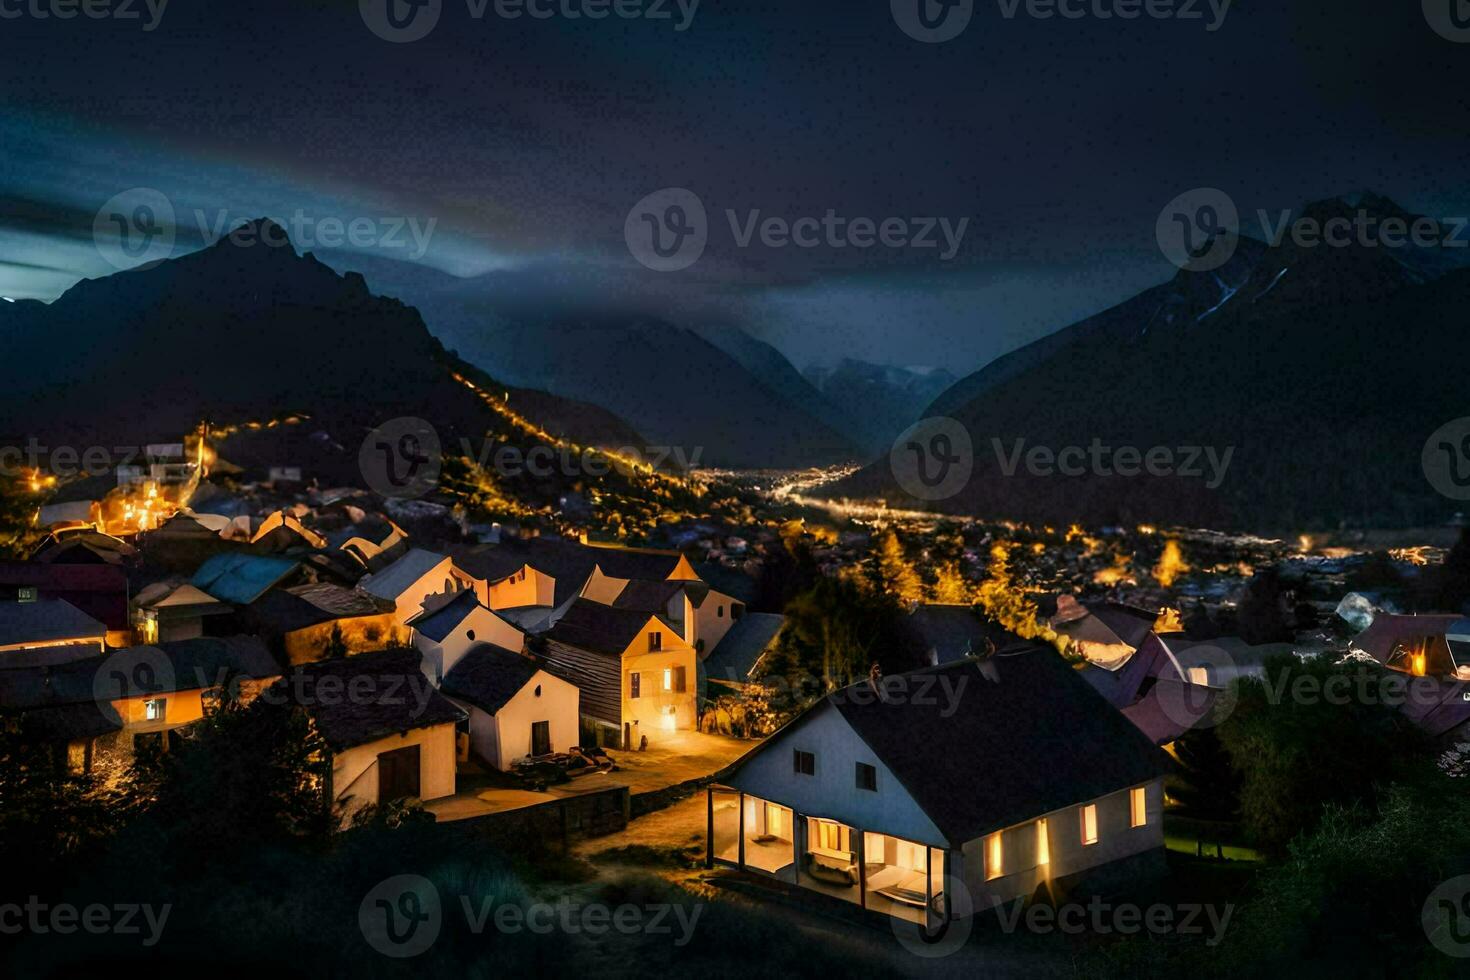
{"x":526,"y":142}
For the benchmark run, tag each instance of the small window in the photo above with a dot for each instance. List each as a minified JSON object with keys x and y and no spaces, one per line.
{"x":634,"y":685}
{"x":736,"y":611}
{"x":1137,"y":807}
{"x":994,"y":852}
{"x":805,"y":763}
{"x":154,"y":709}
{"x":1089,"y":824}
{"x":719,"y":612}
{"x":655,"y":641}
{"x":680,"y":680}
{"x":538,"y":690}
{"x":668,"y":678}
{"x":470,"y":635}
{"x":1043,"y":843}
{"x":29,"y":594}
{"x":867,"y":777}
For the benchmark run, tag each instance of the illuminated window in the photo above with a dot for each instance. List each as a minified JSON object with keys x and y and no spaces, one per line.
{"x":993,"y":854}
{"x":153,"y":709}
{"x":1137,"y":807}
{"x":775,"y":820}
{"x":1089,"y":824}
{"x":668,"y":678}
{"x":635,"y":685}
{"x":1043,"y":844}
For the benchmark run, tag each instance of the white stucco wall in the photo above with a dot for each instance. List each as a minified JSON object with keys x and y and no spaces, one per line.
{"x":831,"y":791}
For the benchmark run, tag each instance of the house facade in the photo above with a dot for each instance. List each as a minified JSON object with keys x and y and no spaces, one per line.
{"x":637,"y":675}
{"x":446,"y":635}
{"x":516,"y":708}
{"x":943,"y":792}
{"x":419,"y":581}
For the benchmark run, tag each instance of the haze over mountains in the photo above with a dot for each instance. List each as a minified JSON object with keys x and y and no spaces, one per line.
{"x":1325,"y":369}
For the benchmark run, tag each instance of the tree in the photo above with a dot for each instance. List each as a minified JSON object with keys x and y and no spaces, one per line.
{"x":950,"y":585}
{"x":1308,"y":735}
{"x":836,"y":631}
{"x":1261,"y":617}
{"x":894,"y":574}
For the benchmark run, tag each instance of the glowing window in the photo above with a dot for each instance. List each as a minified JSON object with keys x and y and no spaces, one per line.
{"x":153,"y":709}
{"x":668,"y":678}
{"x":993,"y":855}
{"x":1089,"y":824}
{"x":1043,"y":844}
{"x":1137,"y":807}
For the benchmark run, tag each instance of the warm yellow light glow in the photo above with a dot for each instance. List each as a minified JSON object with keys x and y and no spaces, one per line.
{"x":1137,"y":807}
{"x":668,"y":678}
{"x":775,"y":820}
{"x":1089,"y":824}
{"x":1171,"y":564}
{"x":1043,"y":843}
{"x":994,"y":851}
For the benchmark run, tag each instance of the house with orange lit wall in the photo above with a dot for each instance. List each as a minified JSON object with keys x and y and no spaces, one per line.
{"x":637,"y":676}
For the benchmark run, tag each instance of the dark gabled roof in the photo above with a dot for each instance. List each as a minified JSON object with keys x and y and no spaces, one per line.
{"x":590,"y":625}
{"x":99,"y":590}
{"x":955,"y":632}
{"x":651,"y":597}
{"x":438,"y":625}
{"x":300,"y":607}
{"x":731,"y":581}
{"x":1111,"y":621}
{"x":202,"y":662}
{"x":488,"y":676}
{"x":1170,"y":708}
{"x":736,"y":654}
{"x":241,"y":579}
{"x":396,"y":579}
{"x":357,"y":700}
{"x":46,"y":621}
{"x":1020,"y":735}
{"x":568,"y":562}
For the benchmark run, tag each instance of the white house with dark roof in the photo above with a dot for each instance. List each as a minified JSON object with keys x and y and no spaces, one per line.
{"x":419,"y":581}
{"x":447,"y":634}
{"x":997,"y":776}
{"x":517,"y":709}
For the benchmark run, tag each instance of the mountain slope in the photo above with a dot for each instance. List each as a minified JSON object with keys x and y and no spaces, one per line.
{"x":234,"y":334}
{"x":1318,"y":368}
{"x":880,"y":400}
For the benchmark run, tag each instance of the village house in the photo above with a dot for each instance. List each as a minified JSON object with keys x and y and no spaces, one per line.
{"x":173,"y":610}
{"x":516,"y":708}
{"x":302,"y":623}
{"x":390,"y":735}
{"x":241,"y":579}
{"x":47,"y":631}
{"x":636,"y":674}
{"x":447,"y":634}
{"x":83,"y":547}
{"x":99,"y":590}
{"x":420,"y":581}
{"x":1418,"y":645}
{"x":730,"y":666}
{"x":1003,"y":775}
{"x":1106,"y":633}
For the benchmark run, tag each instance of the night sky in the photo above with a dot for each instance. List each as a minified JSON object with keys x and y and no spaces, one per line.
{"x":527,"y":141}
